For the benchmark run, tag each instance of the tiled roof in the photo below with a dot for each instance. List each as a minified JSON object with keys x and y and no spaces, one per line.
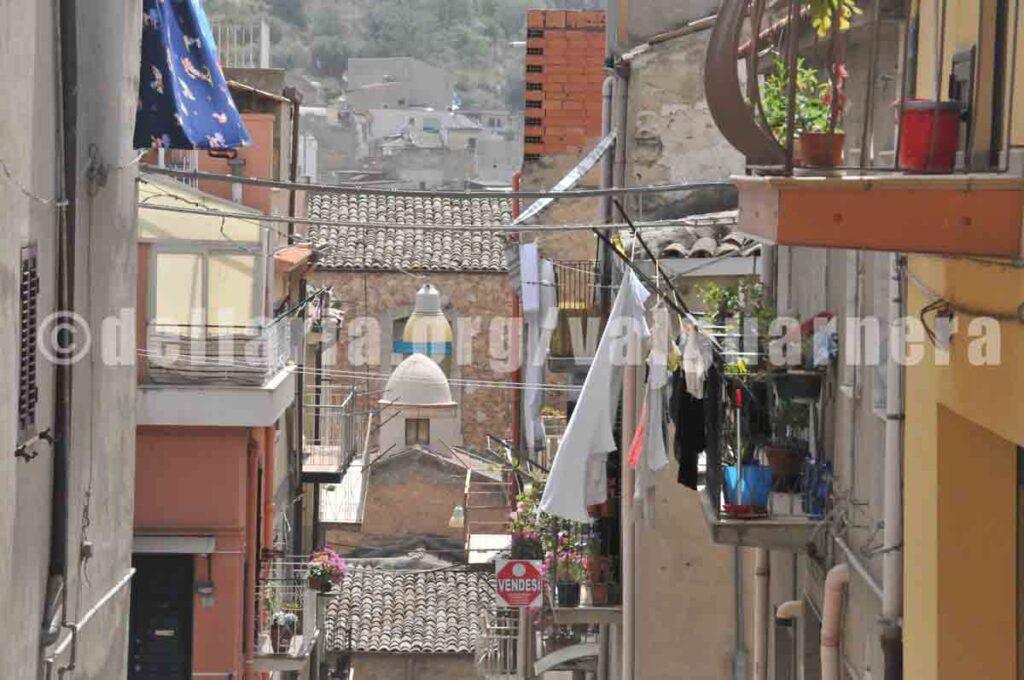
{"x":423,"y":612}
{"x":707,"y":235}
{"x":386,"y":249}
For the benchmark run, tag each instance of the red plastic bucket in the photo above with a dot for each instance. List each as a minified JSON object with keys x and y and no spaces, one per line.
{"x":918,"y":119}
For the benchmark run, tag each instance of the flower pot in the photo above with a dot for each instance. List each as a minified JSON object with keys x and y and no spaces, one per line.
{"x":598,"y":567}
{"x":820,"y":149}
{"x":320,"y":584}
{"x":785,"y":463}
{"x":921,"y":122}
{"x":749,"y":496}
{"x":567,"y":593}
{"x":598,"y":594}
{"x":280,"y":639}
{"x":798,"y":384}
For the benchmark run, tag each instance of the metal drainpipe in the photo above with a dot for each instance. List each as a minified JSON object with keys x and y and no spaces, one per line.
{"x":66,"y":83}
{"x":739,"y":654}
{"x":762,"y":567}
{"x":236,"y":164}
{"x":892,"y":537}
{"x":293,"y":170}
{"x":605,"y":258}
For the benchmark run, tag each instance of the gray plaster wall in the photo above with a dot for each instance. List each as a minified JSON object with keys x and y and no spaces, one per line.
{"x":101,"y":441}
{"x":670,"y":134}
{"x":648,"y":18}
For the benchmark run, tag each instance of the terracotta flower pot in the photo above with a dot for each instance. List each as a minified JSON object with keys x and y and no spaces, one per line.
{"x":598,"y":594}
{"x":820,"y":149}
{"x":320,"y":583}
{"x":786,"y":464}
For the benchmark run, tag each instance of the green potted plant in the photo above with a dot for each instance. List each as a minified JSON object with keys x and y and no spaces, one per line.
{"x":282,"y":630}
{"x":819,"y":106}
{"x":325,"y":570}
{"x":786,"y":450}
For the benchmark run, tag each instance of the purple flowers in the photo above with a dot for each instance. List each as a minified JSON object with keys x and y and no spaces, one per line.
{"x":326,"y":563}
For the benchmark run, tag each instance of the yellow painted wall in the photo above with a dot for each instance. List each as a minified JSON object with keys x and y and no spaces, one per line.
{"x":962,"y":21}
{"x":963,"y":425}
{"x":161,"y":225}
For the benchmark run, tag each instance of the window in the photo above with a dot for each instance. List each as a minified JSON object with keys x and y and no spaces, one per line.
{"x":417,"y":431}
{"x":216,"y":290}
{"x":28,"y":320}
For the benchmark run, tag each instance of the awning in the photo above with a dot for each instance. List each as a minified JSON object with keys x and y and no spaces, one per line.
{"x":173,"y":545}
{"x":184,"y":101}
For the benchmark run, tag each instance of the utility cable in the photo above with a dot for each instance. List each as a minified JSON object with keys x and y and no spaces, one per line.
{"x":432,"y":193}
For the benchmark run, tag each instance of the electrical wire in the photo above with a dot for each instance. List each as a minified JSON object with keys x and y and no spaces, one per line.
{"x":488,"y":228}
{"x":6,"y":172}
{"x":936,"y":297}
{"x":431,"y":193}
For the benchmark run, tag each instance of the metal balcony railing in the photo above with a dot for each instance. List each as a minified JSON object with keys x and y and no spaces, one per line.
{"x":286,"y":622}
{"x":243,"y":45}
{"x":185,"y":354}
{"x":331,"y":430}
{"x":579,"y":313}
{"x":902,"y":82}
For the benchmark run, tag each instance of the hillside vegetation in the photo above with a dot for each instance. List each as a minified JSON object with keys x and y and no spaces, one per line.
{"x":468,"y":37}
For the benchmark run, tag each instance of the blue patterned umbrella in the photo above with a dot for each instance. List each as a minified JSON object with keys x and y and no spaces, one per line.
{"x":184,"y":102}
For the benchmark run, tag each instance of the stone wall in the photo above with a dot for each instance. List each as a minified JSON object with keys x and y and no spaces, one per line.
{"x":389,"y":296}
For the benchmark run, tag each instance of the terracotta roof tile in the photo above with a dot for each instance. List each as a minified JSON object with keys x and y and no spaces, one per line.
{"x":388,"y":249}
{"x":424,"y":612}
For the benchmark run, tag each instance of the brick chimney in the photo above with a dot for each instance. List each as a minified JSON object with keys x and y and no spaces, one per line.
{"x":565,"y":52}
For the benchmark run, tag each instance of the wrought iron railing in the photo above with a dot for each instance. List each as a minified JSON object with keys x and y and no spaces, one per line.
{"x":953,"y":107}
{"x":216,"y":354}
{"x":331,"y":437}
{"x":286,"y":607}
{"x":243,"y":45}
{"x":579,"y":315}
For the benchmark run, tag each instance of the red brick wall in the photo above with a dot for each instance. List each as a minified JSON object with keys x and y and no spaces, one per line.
{"x":564,"y":72}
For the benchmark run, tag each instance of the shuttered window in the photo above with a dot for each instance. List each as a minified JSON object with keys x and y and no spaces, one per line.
{"x":28,"y":322}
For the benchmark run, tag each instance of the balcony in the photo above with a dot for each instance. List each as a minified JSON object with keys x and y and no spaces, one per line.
{"x":579,"y":315}
{"x":215,"y":375}
{"x":330,"y":438}
{"x":929,"y":159}
{"x":286,"y":630}
{"x":766,"y":484}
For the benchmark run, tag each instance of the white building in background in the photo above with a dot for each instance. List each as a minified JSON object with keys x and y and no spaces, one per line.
{"x":308,"y":149}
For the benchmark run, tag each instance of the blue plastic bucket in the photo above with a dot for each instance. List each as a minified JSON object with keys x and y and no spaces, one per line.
{"x":755,"y":489}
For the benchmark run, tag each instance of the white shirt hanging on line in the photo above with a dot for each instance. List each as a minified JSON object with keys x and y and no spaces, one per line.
{"x":697,"y":358}
{"x":578,"y":475}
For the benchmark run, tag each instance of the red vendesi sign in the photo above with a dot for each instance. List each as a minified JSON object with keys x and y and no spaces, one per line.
{"x":518,"y":583}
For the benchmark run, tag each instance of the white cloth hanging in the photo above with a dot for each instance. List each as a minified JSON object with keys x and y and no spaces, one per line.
{"x":578,"y":475}
{"x":697,"y":358}
{"x":654,"y":453}
{"x":539,"y":328}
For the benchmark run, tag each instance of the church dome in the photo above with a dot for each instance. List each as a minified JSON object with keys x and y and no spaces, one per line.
{"x":418,"y":381}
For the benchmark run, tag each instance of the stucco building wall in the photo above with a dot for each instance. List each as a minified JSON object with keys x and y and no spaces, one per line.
{"x":413,"y":667}
{"x":101,"y":439}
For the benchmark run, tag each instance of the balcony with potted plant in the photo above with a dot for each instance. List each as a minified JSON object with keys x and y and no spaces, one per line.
{"x":853,"y":141}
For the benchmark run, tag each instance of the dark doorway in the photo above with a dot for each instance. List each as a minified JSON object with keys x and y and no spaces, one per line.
{"x":160,"y":647}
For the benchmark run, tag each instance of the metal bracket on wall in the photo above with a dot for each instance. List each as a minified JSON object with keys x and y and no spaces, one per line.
{"x":27,"y":451}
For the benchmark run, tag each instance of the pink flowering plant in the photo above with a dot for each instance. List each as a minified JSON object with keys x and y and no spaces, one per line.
{"x":326,"y":565}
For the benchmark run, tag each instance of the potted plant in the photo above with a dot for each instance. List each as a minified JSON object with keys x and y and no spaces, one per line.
{"x":282,"y":630}
{"x":568,"y":574}
{"x":325,"y":570}
{"x":596,"y":567}
{"x":819,"y":106}
{"x":786,"y":450}
{"x":526,"y":545}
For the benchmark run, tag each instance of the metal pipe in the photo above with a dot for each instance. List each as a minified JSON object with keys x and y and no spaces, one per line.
{"x":831,"y":620}
{"x":630,"y":392}
{"x":869,"y":98}
{"x":739,"y":654}
{"x":76,"y":627}
{"x":892,"y":537}
{"x":293,"y":170}
{"x":859,"y":567}
{"x":762,"y":567}
{"x":66,"y":191}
